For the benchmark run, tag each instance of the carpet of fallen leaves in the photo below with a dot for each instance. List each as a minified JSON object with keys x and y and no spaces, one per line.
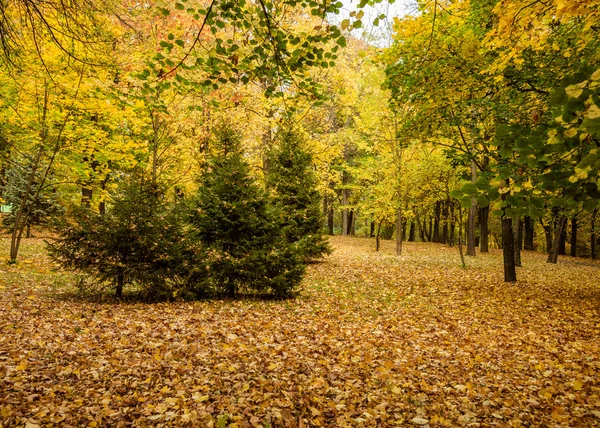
{"x":373,"y":340}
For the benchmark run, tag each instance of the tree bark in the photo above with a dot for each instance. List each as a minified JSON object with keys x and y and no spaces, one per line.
{"x":436,"y":223}
{"x":508,"y":250}
{"x":517,"y":241}
{"x":377,"y":243}
{"x":574,"y":237}
{"x":460,"y":248}
{"x":345,"y":199}
{"x":411,"y":232}
{"x":399,"y":228}
{"x":559,"y":228}
{"x":528,"y":244}
{"x":471,"y":218}
{"x":562,"y":242}
{"x":445,"y":222}
{"x":484,"y":217}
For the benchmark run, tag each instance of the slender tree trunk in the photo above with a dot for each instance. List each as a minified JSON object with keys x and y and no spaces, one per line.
{"x":460,"y":247}
{"x":411,"y":232}
{"x":421,"y":228}
{"x":562,"y":242}
{"x":549,"y":237}
{"x":377,"y":241}
{"x":471,"y":220}
{"x":574,"y":237}
{"x":399,"y":227}
{"x":352,"y":221}
{"x":372,"y":231}
{"x":429,"y":235}
{"x":528,"y":244}
{"x":436,"y":223}
{"x":508,"y":250}
{"x":345,"y":199}
{"x":445,"y":222}
{"x":330,"y":217}
{"x":517,"y":241}
{"x":484,"y":231}
{"x":560,"y":226}
{"x":120,"y":282}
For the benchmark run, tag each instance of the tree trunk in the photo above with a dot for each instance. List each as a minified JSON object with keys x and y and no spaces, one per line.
{"x":352,"y":222}
{"x":436,"y":223}
{"x":411,"y":233}
{"x":330,"y":217}
{"x":86,"y":195}
{"x":471,"y":243}
{"x":120,"y":282}
{"x":377,"y":243}
{"x":399,"y":227}
{"x":460,"y":248}
{"x":430,"y":230}
{"x":559,"y":229}
{"x":484,"y":231}
{"x":562,"y":242}
{"x":517,"y":241}
{"x":574,"y":237}
{"x":345,"y":199}
{"x":445,"y":222}
{"x":471,"y":228}
{"x":508,"y":250}
{"x":422,"y":231}
{"x":372,"y":231}
{"x":549,"y":237}
{"x":528,"y":244}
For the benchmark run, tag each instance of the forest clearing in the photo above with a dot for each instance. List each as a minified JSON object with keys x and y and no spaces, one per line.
{"x":372,"y":340}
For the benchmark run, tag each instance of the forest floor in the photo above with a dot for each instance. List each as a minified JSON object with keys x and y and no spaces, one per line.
{"x":373,"y":340}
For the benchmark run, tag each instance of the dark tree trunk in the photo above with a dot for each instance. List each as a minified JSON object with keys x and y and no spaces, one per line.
{"x":460,"y":247}
{"x":574,"y":237}
{"x":445,"y":222}
{"x":528,"y":244}
{"x":471,"y":229}
{"x":399,"y":231}
{"x":430,"y":230}
{"x":484,"y":220}
{"x":508,"y":250}
{"x":350,"y":228}
{"x":120,"y":282}
{"x":411,"y":232}
{"x":517,"y":241}
{"x":436,"y":223}
{"x":377,"y":243}
{"x":86,"y":195}
{"x":562,"y":242}
{"x":330,"y":217}
{"x":548,"y":235}
{"x":372,"y":231}
{"x":558,"y":231}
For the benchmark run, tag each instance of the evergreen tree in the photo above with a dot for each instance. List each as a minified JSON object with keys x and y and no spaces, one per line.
{"x":240,"y":231}
{"x":42,"y":209}
{"x":140,"y":241}
{"x":293,"y":183}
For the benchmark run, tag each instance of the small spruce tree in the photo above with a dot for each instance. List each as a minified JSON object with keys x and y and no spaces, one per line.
{"x":140,"y":241}
{"x":240,"y":231}
{"x":293,"y":184}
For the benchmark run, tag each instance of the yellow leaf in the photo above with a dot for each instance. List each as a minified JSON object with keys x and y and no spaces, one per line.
{"x":573,"y":91}
{"x":593,"y":112}
{"x":22,"y":366}
{"x":578,"y":385}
